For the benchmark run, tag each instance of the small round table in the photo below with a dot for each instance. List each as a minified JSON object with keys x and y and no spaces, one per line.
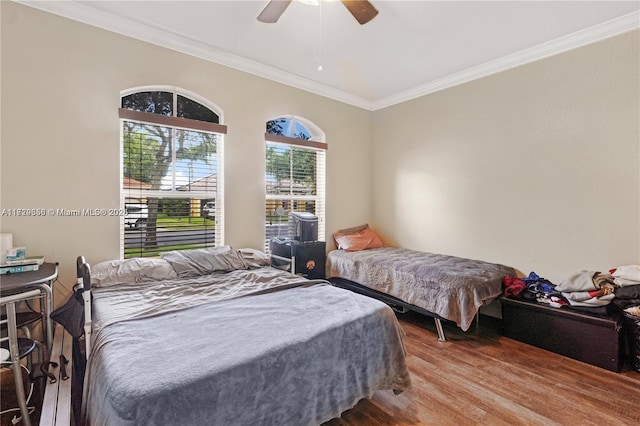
{"x":41,"y":279}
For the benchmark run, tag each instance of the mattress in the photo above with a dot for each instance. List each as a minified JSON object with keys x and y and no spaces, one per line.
{"x":246,"y":347}
{"x":453,"y":288}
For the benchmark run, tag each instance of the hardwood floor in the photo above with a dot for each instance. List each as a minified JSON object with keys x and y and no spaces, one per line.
{"x":8,"y":400}
{"x":481,"y":377}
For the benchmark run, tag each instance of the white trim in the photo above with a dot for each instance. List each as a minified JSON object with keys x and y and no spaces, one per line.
{"x":123,"y":197}
{"x":127,"y":27}
{"x":219,"y":194}
{"x":88,"y":15}
{"x":572,"y":41}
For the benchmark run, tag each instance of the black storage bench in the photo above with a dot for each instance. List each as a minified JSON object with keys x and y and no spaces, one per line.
{"x":594,"y":339}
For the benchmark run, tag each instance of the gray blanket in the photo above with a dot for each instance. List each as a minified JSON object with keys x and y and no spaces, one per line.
{"x":299,"y":353}
{"x":452,"y":287}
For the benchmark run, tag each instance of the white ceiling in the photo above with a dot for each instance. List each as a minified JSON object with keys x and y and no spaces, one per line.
{"x":410,"y":49}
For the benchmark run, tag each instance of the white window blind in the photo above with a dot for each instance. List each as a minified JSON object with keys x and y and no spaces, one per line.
{"x":295,"y":177}
{"x":171,"y":184}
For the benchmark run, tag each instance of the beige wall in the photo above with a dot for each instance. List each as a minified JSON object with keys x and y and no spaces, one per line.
{"x":61,"y":82}
{"x":537,"y":167}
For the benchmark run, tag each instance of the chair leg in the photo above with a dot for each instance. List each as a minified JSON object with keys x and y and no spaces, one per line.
{"x":20,"y":393}
{"x":15,"y":365}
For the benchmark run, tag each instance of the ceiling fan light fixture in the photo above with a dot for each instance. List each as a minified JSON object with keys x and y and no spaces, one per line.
{"x":362,"y":10}
{"x":310,"y":2}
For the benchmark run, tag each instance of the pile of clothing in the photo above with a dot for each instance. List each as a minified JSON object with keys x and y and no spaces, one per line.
{"x":533,"y":287}
{"x":590,"y":291}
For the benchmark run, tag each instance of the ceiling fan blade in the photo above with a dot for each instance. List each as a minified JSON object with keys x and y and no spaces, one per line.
{"x":273,"y":10}
{"x":362,"y":10}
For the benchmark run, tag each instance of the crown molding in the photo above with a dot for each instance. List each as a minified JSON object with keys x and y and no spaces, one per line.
{"x":608,"y":29}
{"x":124,"y":26}
{"x":148,"y":33}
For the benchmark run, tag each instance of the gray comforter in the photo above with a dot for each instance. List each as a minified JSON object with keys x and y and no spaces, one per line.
{"x":452,"y":287}
{"x":201,"y":352}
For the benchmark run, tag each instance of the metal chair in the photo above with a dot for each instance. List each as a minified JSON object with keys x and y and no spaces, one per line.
{"x":25,"y":321}
{"x":15,"y":348}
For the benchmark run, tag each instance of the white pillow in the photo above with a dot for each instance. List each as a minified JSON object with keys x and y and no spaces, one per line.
{"x":255,"y":258}
{"x":135,"y":270}
{"x":193,"y":263}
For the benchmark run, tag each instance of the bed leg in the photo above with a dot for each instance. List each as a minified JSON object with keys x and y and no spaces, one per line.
{"x":441,"y":336}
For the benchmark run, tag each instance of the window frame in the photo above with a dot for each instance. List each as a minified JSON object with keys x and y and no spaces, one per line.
{"x":180,"y":123}
{"x":315,"y":143}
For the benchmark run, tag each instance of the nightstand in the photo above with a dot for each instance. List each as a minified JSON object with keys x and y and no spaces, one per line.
{"x":306,"y":258}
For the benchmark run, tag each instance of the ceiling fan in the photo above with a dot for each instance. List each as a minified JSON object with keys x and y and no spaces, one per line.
{"x":362,"y":10}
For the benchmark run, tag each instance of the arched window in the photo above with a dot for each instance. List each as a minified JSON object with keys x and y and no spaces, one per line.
{"x":171,"y":171}
{"x":295,"y":174}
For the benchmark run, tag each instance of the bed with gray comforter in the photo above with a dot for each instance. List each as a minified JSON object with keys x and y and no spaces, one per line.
{"x":451,"y":287}
{"x":244,"y":347}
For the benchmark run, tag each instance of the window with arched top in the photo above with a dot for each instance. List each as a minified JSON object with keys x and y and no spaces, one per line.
{"x":171,"y":171}
{"x":295,"y":174}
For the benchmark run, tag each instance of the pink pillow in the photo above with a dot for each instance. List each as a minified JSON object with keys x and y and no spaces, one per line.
{"x":361,"y":239}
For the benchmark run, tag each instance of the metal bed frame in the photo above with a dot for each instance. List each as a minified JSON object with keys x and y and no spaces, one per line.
{"x":395,"y":303}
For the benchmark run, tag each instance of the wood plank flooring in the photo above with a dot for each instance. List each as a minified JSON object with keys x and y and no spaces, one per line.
{"x":8,"y":399}
{"x":482,"y":378}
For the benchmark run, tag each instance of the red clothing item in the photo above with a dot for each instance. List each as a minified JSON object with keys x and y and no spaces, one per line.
{"x":513,"y":286}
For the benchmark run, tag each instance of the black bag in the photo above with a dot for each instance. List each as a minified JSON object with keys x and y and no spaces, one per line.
{"x":71,"y":314}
